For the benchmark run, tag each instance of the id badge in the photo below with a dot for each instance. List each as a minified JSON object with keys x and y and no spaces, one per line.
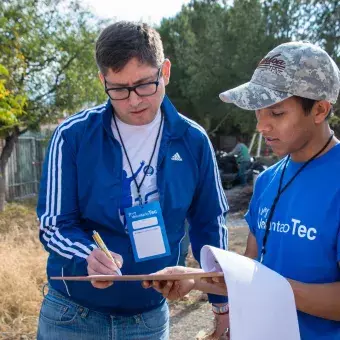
{"x":147,"y":231}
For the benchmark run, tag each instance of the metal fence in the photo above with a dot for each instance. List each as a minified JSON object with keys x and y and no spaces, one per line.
{"x":24,"y":167}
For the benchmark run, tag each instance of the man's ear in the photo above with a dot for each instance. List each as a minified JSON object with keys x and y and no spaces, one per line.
{"x":166,"y":71}
{"x":321,"y":110}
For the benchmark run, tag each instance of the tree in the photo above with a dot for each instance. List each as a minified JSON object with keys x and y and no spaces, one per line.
{"x":12,"y":108}
{"x":193,"y":43}
{"x":48,"y":48}
{"x":214,"y":47}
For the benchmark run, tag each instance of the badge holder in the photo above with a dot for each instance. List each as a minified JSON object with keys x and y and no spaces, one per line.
{"x":147,"y":231}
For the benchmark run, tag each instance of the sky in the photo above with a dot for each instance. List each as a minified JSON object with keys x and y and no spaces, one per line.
{"x":150,"y":11}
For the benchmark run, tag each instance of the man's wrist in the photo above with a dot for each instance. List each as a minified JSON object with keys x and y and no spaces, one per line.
{"x":220,"y":308}
{"x":197,"y":282}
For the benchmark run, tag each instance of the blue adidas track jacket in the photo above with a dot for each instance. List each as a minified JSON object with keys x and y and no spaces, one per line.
{"x":81,"y":189}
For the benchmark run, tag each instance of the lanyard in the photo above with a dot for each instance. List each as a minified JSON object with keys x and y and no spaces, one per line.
{"x":138,"y":186}
{"x":280,"y":191}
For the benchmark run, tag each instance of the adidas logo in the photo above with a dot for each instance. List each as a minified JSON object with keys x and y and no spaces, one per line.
{"x":176,"y":157}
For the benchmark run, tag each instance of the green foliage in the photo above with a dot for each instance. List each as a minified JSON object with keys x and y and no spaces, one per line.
{"x":334,"y":122}
{"x":12,"y":106}
{"x":214,"y":47}
{"x":47,"y":47}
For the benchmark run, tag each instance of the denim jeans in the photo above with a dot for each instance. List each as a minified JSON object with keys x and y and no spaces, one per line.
{"x":242,"y":168}
{"x":62,"y":319}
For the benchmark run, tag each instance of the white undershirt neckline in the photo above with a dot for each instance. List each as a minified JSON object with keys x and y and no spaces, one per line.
{"x":139,"y":141}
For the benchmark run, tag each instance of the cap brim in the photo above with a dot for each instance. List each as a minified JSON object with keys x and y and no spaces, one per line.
{"x":251,"y":96}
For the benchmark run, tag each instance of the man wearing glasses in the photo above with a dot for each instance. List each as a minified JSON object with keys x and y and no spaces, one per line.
{"x":132,"y":169}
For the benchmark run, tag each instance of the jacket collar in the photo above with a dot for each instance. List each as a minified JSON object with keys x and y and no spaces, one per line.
{"x":174,"y":124}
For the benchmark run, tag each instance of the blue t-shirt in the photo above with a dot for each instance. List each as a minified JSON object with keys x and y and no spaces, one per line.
{"x":304,"y":238}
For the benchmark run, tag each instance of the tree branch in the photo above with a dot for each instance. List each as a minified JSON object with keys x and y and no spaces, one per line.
{"x":8,"y":148}
{"x":40,"y":66}
{"x":23,"y":131}
{"x":218,"y":125}
{"x":55,"y":86}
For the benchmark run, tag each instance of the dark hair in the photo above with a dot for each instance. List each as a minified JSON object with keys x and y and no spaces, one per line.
{"x":122,"y":41}
{"x":307,"y":105}
{"x":239,"y":138}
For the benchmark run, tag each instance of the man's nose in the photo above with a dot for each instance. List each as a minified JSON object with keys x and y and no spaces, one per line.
{"x":134,"y":99}
{"x":263,"y":124}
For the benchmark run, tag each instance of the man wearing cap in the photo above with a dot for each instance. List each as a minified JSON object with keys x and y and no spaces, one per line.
{"x":294,"y":214}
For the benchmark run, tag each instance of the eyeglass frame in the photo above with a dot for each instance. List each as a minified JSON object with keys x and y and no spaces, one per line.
{"x":133,"y":88}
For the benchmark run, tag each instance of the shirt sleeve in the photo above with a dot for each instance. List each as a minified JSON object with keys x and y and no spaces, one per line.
{"x":236,"y":150}
{"x":60,"y":229}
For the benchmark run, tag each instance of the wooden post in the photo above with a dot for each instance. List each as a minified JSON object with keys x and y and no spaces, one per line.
{"x":258,"y":153}
{"x":252,"y":142}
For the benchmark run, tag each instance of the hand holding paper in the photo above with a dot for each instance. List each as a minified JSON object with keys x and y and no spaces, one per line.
{"x":261,"y":301}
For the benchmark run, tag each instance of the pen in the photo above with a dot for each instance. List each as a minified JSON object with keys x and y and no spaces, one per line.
{"x":101,"y":245}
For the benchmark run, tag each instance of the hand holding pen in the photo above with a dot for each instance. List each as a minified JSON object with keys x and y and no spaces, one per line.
{"x":101,"y":261}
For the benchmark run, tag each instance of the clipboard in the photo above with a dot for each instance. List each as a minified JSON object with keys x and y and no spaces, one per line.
{"x":143,"y":277}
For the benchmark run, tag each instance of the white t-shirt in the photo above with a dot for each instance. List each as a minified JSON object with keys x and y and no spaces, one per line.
{"x":139,"y":142}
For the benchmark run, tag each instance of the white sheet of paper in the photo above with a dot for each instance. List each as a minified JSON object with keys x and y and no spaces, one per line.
{"x":149,"y":242}
{"x":262,"y":305}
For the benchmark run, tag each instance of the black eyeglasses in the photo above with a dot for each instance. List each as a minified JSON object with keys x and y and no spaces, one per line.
{"x":142,"y":90}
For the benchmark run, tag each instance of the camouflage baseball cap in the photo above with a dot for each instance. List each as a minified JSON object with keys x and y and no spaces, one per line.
{"x":291,"y":69}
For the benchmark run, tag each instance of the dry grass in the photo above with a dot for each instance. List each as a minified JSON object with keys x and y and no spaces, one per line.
{"x":22,"y":272}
